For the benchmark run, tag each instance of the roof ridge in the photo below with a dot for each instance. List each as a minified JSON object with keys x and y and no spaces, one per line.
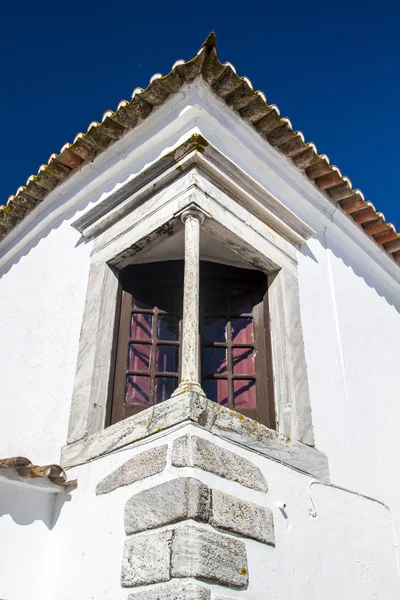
{"x":210,"y":42}
{"x":252,"y":107}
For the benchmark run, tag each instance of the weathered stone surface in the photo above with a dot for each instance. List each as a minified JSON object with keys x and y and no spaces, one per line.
{"x":170,"y":502}
{"x":146,"y":559}
{"x":202,"y":554}
{"x":222,"y":422}
{"x":242,"y":517}
{"x":233,"y":426}
{"x":139,"y":467}
{"x":194,"y":451}
{"x":182,"y":590}
{"x":188,"y":407}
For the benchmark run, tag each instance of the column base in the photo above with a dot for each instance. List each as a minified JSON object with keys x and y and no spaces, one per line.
{"x":188,"y":386}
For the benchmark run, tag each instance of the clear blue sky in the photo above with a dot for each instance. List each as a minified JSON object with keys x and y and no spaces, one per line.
{"x":332,"y":68}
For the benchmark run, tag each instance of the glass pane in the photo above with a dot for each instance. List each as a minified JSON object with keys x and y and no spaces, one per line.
{"x":167,"y":359}
{"x":137,"y":389}
{"x":244,"y":393}
{"x":141,"y":327}
{"x":217,"y":390}
{"x":241,"y":301}
{"x":214,"y":361}
{"x":214,"y":330}
{"x":168,"y":328}
{"x":164,"y":388}
{"x":215,"y":301}
{"x":242,"y":330}
{"x":243,"y":361}
{"x":139,"y":357}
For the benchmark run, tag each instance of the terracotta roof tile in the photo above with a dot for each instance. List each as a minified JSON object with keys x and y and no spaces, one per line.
{"x":24,"y":469}
{"x":238,"y":94}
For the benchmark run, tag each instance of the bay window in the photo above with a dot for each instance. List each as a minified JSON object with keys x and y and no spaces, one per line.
{"x":235,"y":362}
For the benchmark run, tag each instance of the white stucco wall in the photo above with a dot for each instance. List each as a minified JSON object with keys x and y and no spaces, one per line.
{"x":25,"y":527}
{"x":353,"y":369}
{"x":41,"y":298}
{"x":345,"y":552}
{"x":350,"y":303}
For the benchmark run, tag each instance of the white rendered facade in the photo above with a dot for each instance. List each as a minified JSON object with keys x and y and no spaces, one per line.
{"x":348,"y":299}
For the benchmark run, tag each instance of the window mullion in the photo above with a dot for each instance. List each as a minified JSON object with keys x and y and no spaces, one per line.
{"x":153,"y":356}
{"x":229,"y":362}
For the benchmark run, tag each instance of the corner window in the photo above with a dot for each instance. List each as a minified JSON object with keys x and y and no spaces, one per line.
{"x":234,"y":339}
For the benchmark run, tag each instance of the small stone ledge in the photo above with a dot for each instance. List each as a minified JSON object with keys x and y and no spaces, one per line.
{"x":188,"y":498}
{"x":242,"y":517}
{"x":181,"y":553}
{"x":180,"y":590}
{"x":191,"y":407}
{"x":137,"y":468}
{"x":194,"y":451}
{"x":170,"y":502}
{"x":147,"y":559}
{"x":209,"y":556}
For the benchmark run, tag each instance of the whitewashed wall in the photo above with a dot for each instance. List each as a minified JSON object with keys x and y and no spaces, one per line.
{"x":41,"y":300}
{"x":345,"y":552}
{"x":25,"y":528}
{"x":350,"y":301}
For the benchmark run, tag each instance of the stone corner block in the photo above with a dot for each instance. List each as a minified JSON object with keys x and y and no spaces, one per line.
{"x":146,"y":559}
{"x":193,"y":451}
{"x":170,"y":502}
{"x":139,"y":467}
{"x":203,"y":554}
{"x":242,"y":517}
{"x":180,"y":590}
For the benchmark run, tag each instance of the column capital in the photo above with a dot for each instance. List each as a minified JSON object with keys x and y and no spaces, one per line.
{"x":194,"y":211}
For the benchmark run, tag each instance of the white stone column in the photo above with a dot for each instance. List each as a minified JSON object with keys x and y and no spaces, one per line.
{"x":192,"y":219}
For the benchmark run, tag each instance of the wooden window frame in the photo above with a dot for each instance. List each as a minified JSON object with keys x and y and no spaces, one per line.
{"x":172,"y":275}
{"x":227,"y":276}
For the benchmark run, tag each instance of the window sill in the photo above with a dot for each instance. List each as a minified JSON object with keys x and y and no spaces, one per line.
{"x":217,"y":419}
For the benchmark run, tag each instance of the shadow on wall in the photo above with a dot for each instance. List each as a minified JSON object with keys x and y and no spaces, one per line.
{"x":25,"y":505}
{"x":369,"y":271}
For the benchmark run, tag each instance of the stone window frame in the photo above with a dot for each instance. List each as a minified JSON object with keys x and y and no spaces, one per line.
{"x":147,"y":210}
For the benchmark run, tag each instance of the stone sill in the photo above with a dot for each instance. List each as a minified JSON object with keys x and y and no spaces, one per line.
{"x":191,"y":407}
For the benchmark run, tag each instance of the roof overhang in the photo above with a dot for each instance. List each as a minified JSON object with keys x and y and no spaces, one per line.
{"x":238,"y":93}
